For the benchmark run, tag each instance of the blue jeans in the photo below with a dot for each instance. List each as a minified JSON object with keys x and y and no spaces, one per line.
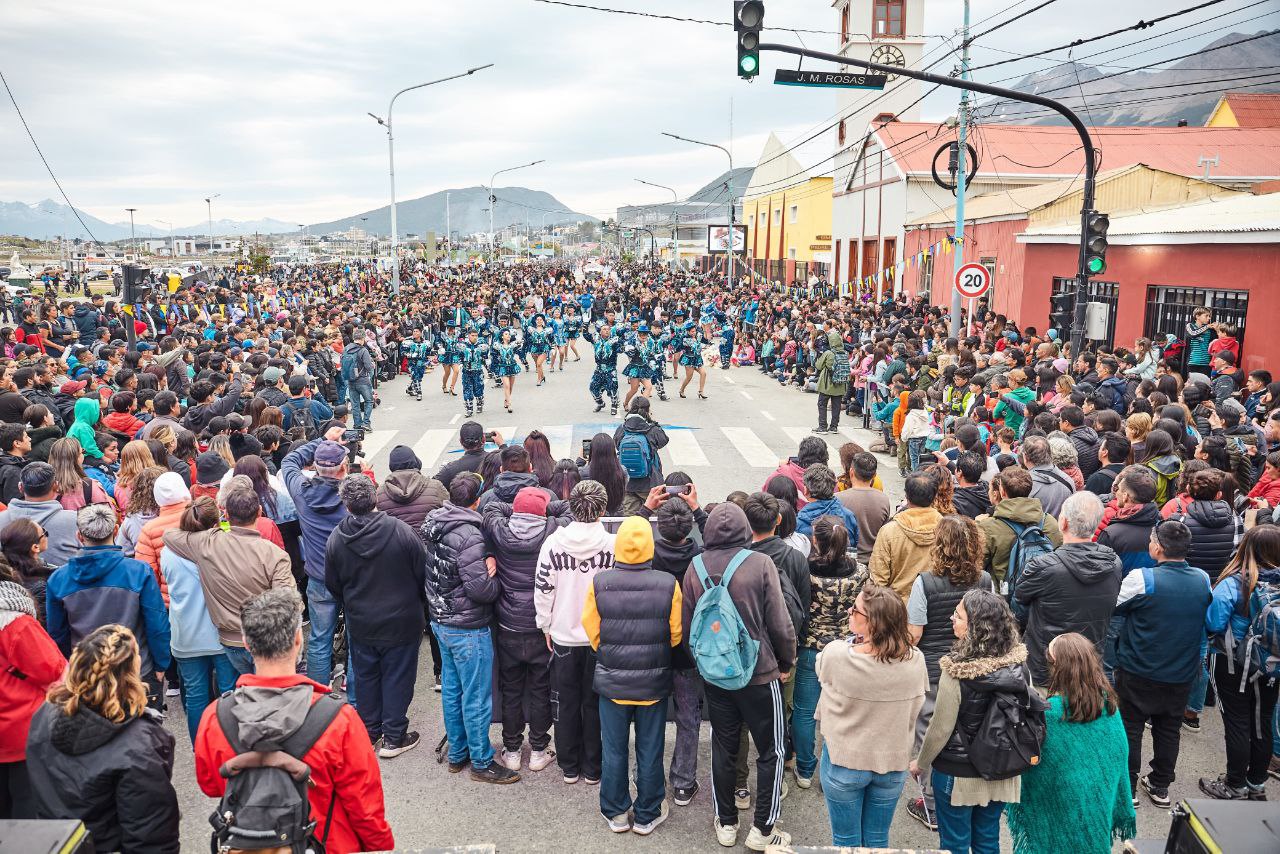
{"x":1195,"y":703}
{"x":466,"y":683}
{"x":198,"y":673}
{"x":239,"y":658}
{"x":860,"y":804}
{"x":361,"y":392}
{"x":615,"y":732}
{"x":804,"y":702}
{"x":323,"y":609}
{"x":965,"y":829}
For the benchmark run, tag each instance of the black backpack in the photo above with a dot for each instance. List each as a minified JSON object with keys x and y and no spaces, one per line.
{"x":1011,"y":735}
{"x":300,"y":416}
{"x":265,"y":805}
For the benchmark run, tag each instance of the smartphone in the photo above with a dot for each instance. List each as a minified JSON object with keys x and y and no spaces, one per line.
{"x":352,"y":435}
{"x":678,"y":490}
{"x":586,"y":449}
{"x":490,"y":435}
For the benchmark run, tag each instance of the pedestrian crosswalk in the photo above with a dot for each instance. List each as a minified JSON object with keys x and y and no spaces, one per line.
{"x":761,"y":445}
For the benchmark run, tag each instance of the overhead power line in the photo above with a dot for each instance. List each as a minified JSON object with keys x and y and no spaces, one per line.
{"x":1016,"y":17}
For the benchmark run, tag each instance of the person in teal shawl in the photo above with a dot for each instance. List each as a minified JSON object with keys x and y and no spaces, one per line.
{"x":1078,"y":797}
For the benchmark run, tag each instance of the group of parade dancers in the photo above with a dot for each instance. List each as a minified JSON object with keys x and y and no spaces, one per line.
{"x":471,"y":348}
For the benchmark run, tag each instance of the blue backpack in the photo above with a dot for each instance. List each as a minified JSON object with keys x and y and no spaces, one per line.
{"x":1028,"y":541}
{"x":636,"y":454}
{"x":723,"y":650}
{"x":350,"y":365}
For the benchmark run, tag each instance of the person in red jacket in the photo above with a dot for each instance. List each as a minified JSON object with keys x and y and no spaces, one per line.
{"x":1268,"y":486}
{"x":342,"y":761}
{"x":29,"y":663}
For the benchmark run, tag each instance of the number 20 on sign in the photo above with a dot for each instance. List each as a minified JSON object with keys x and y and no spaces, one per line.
{"x":973,"y":280}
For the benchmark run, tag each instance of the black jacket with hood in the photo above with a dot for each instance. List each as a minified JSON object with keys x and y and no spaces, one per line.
{"x":409,"y":496}
{"x":972,"y":501}
{"x":1072,"y":589}
{"x":755,"y":590}
{"x":675,"y":559}
{"x":637,"y":423}
{"x":1215,"y":531}
{"x":514,"y":540}
{"x":792,"y":567}
{"x":375,"y":567}
{"x":980,"y":679}
{"x":460,"y":592}
{"x":507,"y":484}
{"x":115,"y":777}
{"x":1085,"y":440}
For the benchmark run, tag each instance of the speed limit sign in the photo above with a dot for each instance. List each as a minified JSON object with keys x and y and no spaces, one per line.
{"x":972,"y":280}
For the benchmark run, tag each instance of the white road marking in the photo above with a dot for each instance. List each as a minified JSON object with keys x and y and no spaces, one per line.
{"x":456,"y":418}
{"x":729,"y":379}
{"x":376,"y":441}
{"x":432,"y":445}
{"x":753,"y":450}
{"x":746,"y":394}
{"x":561,"y":438}
{"x":797,"y":434}
{"x":766,"y":414}
{"x":683,"y":448}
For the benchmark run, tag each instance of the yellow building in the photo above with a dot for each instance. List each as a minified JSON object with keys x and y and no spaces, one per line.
{"x":788,"y":217}
{"x":1246,"y":110}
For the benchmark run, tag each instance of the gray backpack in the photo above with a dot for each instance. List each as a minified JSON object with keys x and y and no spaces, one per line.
{"x":265,"y":805}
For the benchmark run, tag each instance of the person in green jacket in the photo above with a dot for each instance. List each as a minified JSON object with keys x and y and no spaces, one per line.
{"x":833,"y":382}
{"x":1015,"y":394}
{"x":1077,"y":797}
{"x":86,"y":412}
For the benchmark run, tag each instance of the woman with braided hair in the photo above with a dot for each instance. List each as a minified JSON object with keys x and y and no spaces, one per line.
{"x":97,"y":753}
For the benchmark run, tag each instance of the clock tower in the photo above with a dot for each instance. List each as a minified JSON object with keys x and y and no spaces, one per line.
{"x":887,"y":32}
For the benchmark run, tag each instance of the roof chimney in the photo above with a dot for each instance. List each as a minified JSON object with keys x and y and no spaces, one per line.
{"x":1182,"y":123}
{"x":885,"y":118}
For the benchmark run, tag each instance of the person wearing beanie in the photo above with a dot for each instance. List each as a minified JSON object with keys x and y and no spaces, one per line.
{"x":632,"y":617}
{"x":567,"y":563}
{"x":406,"y":493}
{"x":210,"y":469}
{"x":514,"y":534}
{"x":376,"y":569}
{"x":172,"y":497}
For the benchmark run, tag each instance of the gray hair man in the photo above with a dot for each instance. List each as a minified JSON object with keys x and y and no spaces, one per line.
{"x":1048,"y":482}
{"x":1073,"y":589}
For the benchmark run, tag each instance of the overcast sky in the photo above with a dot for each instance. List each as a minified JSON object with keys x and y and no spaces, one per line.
{"x":156,"y":105}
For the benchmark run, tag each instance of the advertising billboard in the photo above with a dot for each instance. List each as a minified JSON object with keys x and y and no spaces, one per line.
{"x":718,"y":238}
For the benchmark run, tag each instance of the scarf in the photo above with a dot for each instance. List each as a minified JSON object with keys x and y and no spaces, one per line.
{"x":14,"y":597}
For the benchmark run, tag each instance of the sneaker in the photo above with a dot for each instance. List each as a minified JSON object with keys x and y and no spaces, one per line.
{"x":1257,"y":793}
{"x":392,"y":749}
{"x":742,"y":798}
{"x":570,"y":779}
{"x":459,"y":767}
{"x":1222,"y":791}
{"x":785,"y":790}
{"x":726,"y":834}
{"x":495,"y":773}
{"x":619,"y":823}
{"x":435,"y":684}
{"x":683,"y":797}
{"x":173,"y":692}
{"x":648,"y":827}
{"x":1191,"y":723}
{"x":591,"y":781}
{"x":539,"y":759}
{"x":757,"y":841}
{"x":917,"y":810}
{"x":1159,"y":797}
{"x":511,"y":759}
{"x":1135,"y":802}
{"x":804,"y":782}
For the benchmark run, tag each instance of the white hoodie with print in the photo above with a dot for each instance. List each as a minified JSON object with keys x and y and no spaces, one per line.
{"x":567,"y":567}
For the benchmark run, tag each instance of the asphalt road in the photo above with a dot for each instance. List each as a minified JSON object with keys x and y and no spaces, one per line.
{"x":731,"y":441}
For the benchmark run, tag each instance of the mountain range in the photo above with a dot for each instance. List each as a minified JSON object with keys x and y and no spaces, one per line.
{"x":48,"y":219}
{"x":465,"y":211}
{"x":1186,"y":90}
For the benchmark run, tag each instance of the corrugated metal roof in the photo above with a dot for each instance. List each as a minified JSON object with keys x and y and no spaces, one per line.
{"x":1051,"y":151}
{"x":1254,"y":110}
{"x":1238,"y":213}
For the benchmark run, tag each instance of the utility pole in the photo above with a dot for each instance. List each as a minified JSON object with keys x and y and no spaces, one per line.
{"x":448,"y":229}
{"x":209,"y":202}
{"x":132,"y":237}
{"x":728,"y":186}
{"x":962,"y":157}
{"x":493,"y":199}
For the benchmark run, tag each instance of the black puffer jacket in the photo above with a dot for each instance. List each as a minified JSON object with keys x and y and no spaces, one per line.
{"x":112,"y":776}
{"x":515,"y":539}
{"x":409,"y":496}
{"x":972,"y":501}
{"x":1085,"y":441}
{"x":979,"y":678}
{"x":1072,"y":589}
{"x":1215,"y":530}
{"x":675,"y":559}
{"x":460,"y":592}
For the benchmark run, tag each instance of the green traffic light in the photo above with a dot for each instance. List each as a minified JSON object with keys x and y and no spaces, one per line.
{"x":1096,"y":265}
{"x":749,"y":64}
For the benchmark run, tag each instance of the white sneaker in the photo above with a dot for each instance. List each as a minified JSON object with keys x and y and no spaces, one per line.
{"x":757,"y":841}
{"x":804,"y":782}
{"x":726,"y":834}
{"x":539,"y":759}
{"x":646,"y":829}
{"x":511,"y":759}
{"x":619,"y":823}
{"x":785,"y":790}
{"x":742,"y":798}
{"x":172,"y":692}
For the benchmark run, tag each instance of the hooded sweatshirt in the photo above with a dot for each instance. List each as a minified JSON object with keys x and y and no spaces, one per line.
{"x":409,"y":496}
{"x":514,"y":540}
{"x":319,"y":507}
{"x":567,"y":565}
{"x":58,"y":523}
{"x":754,"y":589}
{"x":507,"y":484}
{"x":1000,"y":537}
{"x":375,"y":567}
{"x":82,"y":430}
{"x":657,"y":437}
{"x":903,"y":549}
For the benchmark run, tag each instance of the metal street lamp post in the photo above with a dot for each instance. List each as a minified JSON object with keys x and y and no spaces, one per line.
{"x":675,"y":219}
{"x":209,"y":202}
{"x":132,"y":236}
{"x":493,"y":200}
{"x":391,"y":157}
{"x":730,"y":184}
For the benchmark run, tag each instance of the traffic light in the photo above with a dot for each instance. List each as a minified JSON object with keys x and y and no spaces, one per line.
{"x":1096,"y":225}
{"x":748,"y":19}
{"x":1062,"y":310}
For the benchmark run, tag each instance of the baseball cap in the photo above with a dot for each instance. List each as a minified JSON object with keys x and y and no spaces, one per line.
{"x":273,"y":375}
{"x":330,"y":454}
{"x":532,"y":500}
{"x":471,"y":433}
{"x":73,"y":386}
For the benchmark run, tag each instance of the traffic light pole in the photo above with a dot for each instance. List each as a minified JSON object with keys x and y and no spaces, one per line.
{"x":1086,"y":141}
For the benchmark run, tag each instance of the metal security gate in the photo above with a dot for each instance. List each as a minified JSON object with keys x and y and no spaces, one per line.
{"x":1103,"y":292}
{"x":1169,"y":309}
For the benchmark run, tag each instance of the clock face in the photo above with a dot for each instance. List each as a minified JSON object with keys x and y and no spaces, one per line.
{"x":887,"y":54}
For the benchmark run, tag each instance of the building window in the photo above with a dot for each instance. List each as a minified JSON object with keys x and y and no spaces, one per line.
{"x":777,"y":216}
{"x":793,"y":215}
{"x":844,"y":25}
{"x":926,"y":279}
{"x":791,"y":253}
{"x":840,"y":133}
{"x":1169,"y":309}
{"x":887,"y":19}
{"x":990,"y":264}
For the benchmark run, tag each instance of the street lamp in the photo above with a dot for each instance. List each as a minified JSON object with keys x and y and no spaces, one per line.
{"x":170,"y":225}
{"x":730,"y":184}
{"x":391,"y":157}
{"x":132,"y":237}
{"x":493,"y":200}
{"x":209,"y":202}
{"x":675,"y":201}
